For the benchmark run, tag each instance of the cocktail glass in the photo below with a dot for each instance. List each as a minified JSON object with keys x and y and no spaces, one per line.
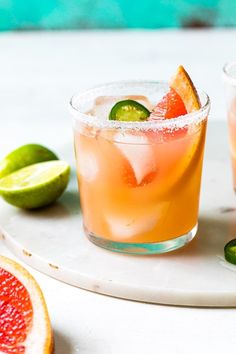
{"x":229,"y":72}
{"x":139,"y":182}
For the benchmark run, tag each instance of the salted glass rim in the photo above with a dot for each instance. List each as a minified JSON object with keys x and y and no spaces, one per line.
{"x":226,"y":72}
{"x":171,"y":123}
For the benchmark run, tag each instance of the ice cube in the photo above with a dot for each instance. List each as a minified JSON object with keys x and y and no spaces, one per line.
{"x":139,"y":153}
{"x":103,"y":104}
{"x":125,"y":227}
{"x":88,"y":166}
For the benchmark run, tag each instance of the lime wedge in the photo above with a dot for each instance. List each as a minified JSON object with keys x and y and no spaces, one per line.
{"x":24,"y":156}
{"x":36,"y":185}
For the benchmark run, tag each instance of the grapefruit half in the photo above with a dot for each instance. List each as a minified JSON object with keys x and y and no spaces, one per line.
{"x":24,"y":321}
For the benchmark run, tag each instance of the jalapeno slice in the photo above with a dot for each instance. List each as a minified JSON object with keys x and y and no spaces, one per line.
{"x":230,"y":251}
{"x":129,"y":111}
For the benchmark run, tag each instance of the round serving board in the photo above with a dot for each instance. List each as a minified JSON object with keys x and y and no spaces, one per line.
{"x":52,"y":240}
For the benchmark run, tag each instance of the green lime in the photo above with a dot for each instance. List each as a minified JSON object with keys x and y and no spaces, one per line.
{"x":24,"y":156}
{"x":36,"y":185}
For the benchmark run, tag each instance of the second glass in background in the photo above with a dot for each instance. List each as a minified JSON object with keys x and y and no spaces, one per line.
{"x":229,"y":71}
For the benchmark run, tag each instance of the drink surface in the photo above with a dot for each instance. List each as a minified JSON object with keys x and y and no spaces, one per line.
{"x":139,"y":186}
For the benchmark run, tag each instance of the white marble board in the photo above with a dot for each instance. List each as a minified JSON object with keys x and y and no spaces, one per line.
{"x":52,"y":241}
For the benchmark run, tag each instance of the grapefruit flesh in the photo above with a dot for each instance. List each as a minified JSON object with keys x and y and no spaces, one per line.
{"x":24,"y":321}
{"x":170,"y":106}
{"x":16,"y":313}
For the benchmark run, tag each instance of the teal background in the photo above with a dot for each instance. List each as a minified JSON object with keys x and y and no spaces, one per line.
{"x":83,"y":14}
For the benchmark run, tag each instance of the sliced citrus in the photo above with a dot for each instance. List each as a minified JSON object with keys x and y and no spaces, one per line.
{"x":181,"y":99}
{"x":24,"y":156}
{"x":182,"y":84}
{"x":170,"y":106}
{"x":24,"y":321}
{"x":36,"y":185}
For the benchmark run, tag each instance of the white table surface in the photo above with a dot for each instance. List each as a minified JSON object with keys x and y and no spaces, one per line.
{"x":38,"y":73}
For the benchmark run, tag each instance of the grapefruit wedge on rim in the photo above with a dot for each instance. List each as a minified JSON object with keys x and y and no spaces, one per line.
{"x":182,"y":84}
{"x":181,"y":99}
{"x":24,"y":321}
{"x":170,"y":106}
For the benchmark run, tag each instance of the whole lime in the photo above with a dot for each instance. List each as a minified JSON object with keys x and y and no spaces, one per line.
{"x":24,"y":156}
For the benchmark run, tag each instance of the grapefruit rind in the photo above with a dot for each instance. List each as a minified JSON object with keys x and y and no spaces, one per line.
{"x":39,"y":338}
{"x":184,"y":87}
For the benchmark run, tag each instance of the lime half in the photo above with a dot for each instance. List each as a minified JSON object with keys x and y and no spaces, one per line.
{"x":24,"y":156}
{"x":36,"y":185}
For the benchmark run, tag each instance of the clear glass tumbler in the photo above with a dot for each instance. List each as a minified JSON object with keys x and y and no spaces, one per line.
{"x":139,"y":182}
{"x":229,"y":74}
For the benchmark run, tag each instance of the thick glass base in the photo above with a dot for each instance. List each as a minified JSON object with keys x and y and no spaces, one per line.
{"x":143,"y":248}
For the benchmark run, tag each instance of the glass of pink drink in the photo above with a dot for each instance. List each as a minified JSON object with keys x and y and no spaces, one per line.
{"x":139,"y":181}
{"x":229,"y":72}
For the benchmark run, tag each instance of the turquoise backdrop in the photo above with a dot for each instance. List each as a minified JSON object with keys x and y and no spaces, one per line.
{"x":73,"y":14}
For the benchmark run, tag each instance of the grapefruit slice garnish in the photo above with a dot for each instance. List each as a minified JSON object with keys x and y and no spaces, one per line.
{"x":182,"y":84}
{"x":181,"y":99}
{"x":140,"y":166}
{"x":24,"y":321}
{"x":170,"y":106}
